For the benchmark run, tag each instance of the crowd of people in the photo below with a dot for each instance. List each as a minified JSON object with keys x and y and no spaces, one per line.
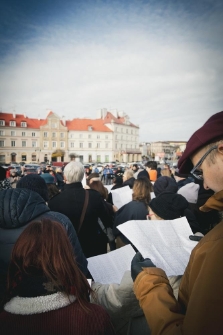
{"x":52,"y":221}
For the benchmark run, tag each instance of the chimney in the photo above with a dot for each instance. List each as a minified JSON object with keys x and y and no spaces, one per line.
{"x":24,"y":116}
{"x":14,"y":115}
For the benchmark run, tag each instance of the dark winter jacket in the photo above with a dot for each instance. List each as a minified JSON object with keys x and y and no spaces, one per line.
{"x":134,"y":210}
{"x":70,"y":202}
{"x":129,"y":182}
{"x":18,"y":207}
{"x":60,"y":182}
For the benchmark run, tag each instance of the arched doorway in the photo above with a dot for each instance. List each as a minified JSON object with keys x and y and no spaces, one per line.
{"x":58,"y":156}
{"x":13,"y":157}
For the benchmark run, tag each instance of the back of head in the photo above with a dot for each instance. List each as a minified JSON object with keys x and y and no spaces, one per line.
{"x":48,"y":178}
{"x":35,"y":183}
{"x":44,"y":250}
{"x":98,"y":186}
{"x":165,"y":172}
{"x":210,"y":132}
{"x":128,"y":174}
{"x":93,"y":177}
{"x":165,"y":184}
{"x":169,"y":206}
{"x":141,"y":190}
{"x":152,"y":165}
{"x":74,"y":172}
{"x":190,"y":192}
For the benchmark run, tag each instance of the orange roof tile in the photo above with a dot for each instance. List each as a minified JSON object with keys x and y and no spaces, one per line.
{"x":83,"y":124}
{"x":31,"y":123}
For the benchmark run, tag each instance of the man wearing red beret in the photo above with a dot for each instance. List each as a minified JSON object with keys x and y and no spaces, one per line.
{"x":199,"y":308}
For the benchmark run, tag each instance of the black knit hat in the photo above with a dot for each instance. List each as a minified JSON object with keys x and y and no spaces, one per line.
{"x":165,"y":184}
{"x":35,"y":183}
{"x":181,"y":175}
{"x":169,"y":206}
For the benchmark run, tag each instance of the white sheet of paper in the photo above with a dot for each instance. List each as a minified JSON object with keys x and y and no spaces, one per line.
{"x":83,"y":181}
{"x":121,"y":196}
{"x":108,"y":187}
{"x":109,"y":268}
{"x":165,"y":242}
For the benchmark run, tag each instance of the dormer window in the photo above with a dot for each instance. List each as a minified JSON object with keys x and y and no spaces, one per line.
{"x":12,"y":123}
{"x":2,"y":122}
{"x":23,"y":124}
{"x":90,"y":128}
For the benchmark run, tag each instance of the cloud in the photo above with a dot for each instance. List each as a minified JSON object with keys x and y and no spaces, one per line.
{"x":164,"y":74}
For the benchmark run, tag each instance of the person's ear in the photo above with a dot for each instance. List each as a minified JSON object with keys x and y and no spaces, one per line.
{"x":220,"y":148}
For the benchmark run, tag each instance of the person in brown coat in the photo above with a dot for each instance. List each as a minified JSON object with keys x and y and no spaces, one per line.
{"x":199,"y":307}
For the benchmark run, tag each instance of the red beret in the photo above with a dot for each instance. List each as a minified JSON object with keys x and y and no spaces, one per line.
{"x":210,"y":132}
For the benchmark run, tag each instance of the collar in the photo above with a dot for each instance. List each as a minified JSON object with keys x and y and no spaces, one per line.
{"x":214,"y":202}
{"x":73,"y":185}
{"x":42,"y":304}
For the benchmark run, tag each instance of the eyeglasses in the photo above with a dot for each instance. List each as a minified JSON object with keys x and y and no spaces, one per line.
{"x":198,"y":173}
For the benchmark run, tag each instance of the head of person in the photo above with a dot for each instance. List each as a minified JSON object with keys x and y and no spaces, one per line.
{"x":167,"y":206}
{"x":35,"y":183}
{"x":2,"y":173}
{"x":58,"y":170}
{"x":141,"y":190}
{"x":165,"y":184}
{"x":93,"y":177}
{"x":203,"y":155}
{"x":151,"y":165}
{"x":73,"y":172}
{"x":43,"y":250}
{"x":118,"y":180}
{"x":165,"y":172}
{"x":98,"y":186}
{"x":13,"y":173}
{"x":135,"y":167}
{"x":127,"y":174}
{"x":49,"y":180}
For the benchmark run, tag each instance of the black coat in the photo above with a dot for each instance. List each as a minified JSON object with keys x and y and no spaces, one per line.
{"x":129,"y":182}
{"x":70,"y":202}
{"x":18,"y":207}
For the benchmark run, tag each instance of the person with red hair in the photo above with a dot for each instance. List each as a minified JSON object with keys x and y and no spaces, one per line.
{"x":46,"y":291}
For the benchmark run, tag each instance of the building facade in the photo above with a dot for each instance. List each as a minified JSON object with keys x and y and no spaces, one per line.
{"x":109,"y":137}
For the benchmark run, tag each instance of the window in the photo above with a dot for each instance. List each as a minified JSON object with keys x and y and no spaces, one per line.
{"x":23,"y":133}
{"x":106,"y":158}
{"x":62,"y":135}
{"x":33,"y":134}
{"x":2,"y":133}
{"x":53,"y":125}
{"x":116,"y":145}
{"x":90,"y":128}
{"x":53,"y":134}
{"x":2,"y":158}
{"x":45,"y":144}
{"x":23,"y":124}
{"x":98,"y":158}
{"x":33,"y":158}
{"x":2,"y":143}
{"x":98,"y":136}
{"x":106,"y":137}
{"x":12,"y":143}
{"x":33,"y":144}
{"x":12,"y":123}
{"x":2,"y":122}
{"x":71,"y":135}
{"x":89,"y":145}
{"x":106,"y":144}
{"x":89,"y":136}
{"x":13,"y":133}
{"x":81,"y":135}
{"x":23,"y":158}
{"x":72,"y":144}
{"x":54,"y":144}
{"x":23,"y":143}
{"x":126,"y":131}
{"x":98,"y":145}
{"x":62,"y":144}
{"x":81,"y":145}
{"x":45,"y":134}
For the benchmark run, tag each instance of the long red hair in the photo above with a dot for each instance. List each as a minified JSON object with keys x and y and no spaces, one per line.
{"x":44,"y":247}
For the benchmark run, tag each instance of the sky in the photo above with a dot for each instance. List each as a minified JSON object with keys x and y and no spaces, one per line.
{"x":158,"y":61}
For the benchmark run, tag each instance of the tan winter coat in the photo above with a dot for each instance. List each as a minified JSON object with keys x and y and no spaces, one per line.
{"x":199,"y":308}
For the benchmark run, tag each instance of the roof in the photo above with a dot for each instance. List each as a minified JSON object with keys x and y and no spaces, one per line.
{"x":84,"y":124}
{"x":18,"y":118}
{"x":120,"y":120}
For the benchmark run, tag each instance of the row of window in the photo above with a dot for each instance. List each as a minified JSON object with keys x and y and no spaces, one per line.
{"x":54,"y":135}
{"x":13,"y":133}
{"x":127,"y":131}
{"x":13,"y":123}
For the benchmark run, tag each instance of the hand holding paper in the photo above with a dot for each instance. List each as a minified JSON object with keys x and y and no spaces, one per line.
{"x":138,"y":263}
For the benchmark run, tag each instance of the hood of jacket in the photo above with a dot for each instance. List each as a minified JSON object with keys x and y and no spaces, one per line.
{"x":19,"y":206}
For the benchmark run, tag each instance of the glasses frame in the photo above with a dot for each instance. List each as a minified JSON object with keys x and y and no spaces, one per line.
{"x":193,"y":171}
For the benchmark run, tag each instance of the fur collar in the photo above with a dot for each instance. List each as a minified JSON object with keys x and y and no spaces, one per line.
{"x":42,"y":304}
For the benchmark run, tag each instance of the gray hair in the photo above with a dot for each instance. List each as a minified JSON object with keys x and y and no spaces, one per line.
{"x":74,"y":172}
{"x":128,"y":174}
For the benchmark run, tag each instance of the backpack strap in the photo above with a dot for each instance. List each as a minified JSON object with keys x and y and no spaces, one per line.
{"x":83,"y":210}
